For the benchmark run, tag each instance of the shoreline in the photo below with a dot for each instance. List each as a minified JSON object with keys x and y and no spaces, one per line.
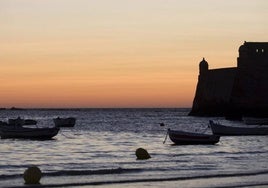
{"x":220,"y":180}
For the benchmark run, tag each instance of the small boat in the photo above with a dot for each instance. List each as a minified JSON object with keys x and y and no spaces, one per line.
{"x":16,"y":122}
{"x":64,"y":122}
{"x":30,"y":122}
{"x":12,"y":131}
{"x":255,"y":121}
{"x":182,"y":137}
{"x":219,"y":129}
{"x":3,"y":123}
{"x":21,"y":122}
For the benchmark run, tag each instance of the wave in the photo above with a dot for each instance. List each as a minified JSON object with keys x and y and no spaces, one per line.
{"x":80,"y":172}
{"x":120,"y":170}
{"x":92,"y":172}
{"x":143,"y":180}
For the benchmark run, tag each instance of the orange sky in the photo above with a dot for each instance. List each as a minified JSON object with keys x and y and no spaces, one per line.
{"x":119,"y":53}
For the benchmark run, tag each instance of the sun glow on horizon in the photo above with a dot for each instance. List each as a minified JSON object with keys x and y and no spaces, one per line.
{"x":120,"y":53}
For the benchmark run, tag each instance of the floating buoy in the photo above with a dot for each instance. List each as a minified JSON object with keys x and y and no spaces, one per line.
{"x":32,"y":175}
{"x":162,"y":124}
{"x":142,"y":154}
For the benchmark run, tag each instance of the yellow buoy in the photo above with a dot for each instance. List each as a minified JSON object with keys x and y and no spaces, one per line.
{"x":142,"y":154}
{"x":32,"y":175}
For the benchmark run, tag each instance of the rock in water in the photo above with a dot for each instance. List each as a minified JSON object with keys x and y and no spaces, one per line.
{"x":32,"y":175}
{"x":142,"y":154}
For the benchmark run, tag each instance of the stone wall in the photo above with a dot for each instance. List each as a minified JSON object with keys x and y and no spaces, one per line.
{"x":250,"y":92}
{"x":213,"y":92}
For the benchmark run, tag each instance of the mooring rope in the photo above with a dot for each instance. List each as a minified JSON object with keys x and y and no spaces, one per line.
{"x":70,"y":137}
{"x":165,"y":138}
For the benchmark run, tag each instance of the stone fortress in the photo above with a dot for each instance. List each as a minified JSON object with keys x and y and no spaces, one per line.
{"x":236,"y":91}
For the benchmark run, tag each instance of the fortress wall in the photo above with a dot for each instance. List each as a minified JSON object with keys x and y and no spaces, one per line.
{"x":218,"y":85}
{"x":235,"y":91}
{"x":213,"y":92}
{"x":250,"y":93}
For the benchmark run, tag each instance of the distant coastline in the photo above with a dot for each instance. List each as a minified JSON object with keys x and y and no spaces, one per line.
{"x":96,"y":108}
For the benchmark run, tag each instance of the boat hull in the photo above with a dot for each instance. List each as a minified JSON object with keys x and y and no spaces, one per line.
{"x":8,"y":131}
{"x":184,"y":138}
{"x":223,"y":130}
{"x":255,"y":121}
{"x":64,"y":122}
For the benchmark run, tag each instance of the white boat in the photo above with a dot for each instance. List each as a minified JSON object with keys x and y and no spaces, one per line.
{"x":182,"y":137}
{"x":220,"y":129}
{"x":64,"y":122}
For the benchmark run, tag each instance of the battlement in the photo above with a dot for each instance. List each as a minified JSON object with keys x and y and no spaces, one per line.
{"x":253,"y":49}
{"x":253,"y":54}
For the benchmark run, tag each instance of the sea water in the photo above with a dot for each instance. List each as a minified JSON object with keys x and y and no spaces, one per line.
{"x":100,"y":151}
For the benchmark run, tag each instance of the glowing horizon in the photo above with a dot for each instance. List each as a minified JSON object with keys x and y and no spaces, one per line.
{"x":120,"y":53}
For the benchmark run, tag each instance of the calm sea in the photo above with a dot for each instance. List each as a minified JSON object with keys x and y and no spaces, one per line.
{"x":100,"y":151}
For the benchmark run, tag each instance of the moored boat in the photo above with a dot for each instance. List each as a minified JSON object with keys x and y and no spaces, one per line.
{"x":182,"y":137}
{"x":16,"y":122}
{"x":19,"y":121}
{"x":220,"y":129}
{"x":30,"y":122}
{"x":255,"y":121}
{"x":64,"y":122}
{"x":10,"y":131}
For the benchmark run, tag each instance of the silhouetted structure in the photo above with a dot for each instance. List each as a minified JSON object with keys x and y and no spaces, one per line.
{"x":235,"y":91}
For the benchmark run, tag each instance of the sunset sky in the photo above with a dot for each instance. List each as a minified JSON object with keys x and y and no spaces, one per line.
{"x":118,"y":53}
